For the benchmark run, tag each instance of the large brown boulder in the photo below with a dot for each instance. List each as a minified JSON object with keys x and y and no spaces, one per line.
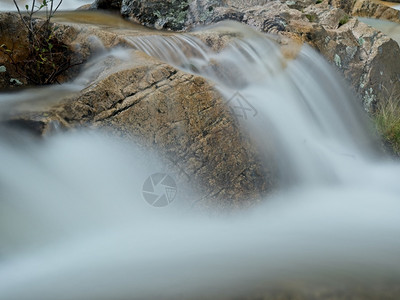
{"x":180,"y":115}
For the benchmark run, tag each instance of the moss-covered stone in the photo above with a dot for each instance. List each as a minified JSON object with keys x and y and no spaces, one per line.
{"x":169,"y":14}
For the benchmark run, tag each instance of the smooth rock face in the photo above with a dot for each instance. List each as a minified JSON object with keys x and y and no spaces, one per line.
{"x":187,"y":120}
{"x":178,"y":114}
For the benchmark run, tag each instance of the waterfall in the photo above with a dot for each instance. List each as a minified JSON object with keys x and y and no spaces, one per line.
{"x":74,"y":223}
{"x":299,"y":107}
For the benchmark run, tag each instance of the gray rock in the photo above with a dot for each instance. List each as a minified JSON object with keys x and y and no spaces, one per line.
{"x":369,"y":60}
{"x":169,"y":14}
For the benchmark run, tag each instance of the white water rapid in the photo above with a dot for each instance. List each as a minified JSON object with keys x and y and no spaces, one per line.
{"x":74,"y":224}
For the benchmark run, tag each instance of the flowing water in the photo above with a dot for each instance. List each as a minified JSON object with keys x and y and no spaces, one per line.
{"x":74,"y":223}
{"x":394,"y":5}
{"x":391,"y":29}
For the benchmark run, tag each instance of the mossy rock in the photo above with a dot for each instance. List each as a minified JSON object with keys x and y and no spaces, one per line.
{"x":169,"y":14}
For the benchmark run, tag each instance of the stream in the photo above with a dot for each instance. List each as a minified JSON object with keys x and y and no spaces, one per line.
{"x":74,"y":223}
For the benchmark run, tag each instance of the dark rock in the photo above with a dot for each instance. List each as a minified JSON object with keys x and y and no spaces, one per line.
{"x":169,"y":14}
{"x":106,"y":4}
{"x":395,"y":1}
{"x":13,"y":37}
{"x":35,"y":128}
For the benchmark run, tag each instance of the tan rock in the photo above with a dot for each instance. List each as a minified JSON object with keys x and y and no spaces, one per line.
{"x":374,"y":9}
{"x":179,"y":114}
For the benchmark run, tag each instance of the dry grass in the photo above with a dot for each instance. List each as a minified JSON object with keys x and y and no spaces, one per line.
{"x":387,"y":119}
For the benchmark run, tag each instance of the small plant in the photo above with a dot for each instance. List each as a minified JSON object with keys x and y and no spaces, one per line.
{"x":48,"y":57}
{"x":343,"y":20}
{"x":387,"y":120}
{"x":311,"y":17}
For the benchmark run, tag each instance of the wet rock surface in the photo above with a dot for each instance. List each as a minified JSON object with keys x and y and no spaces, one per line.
{"x":368,"y":59}
{"x":160,"y":14}
{"x":161,"y":108}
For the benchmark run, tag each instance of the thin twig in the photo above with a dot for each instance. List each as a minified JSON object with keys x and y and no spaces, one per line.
{"x":51,"y":8}
{"x":20,"y":14}
{"x":31,"y":14}
{"x":58,"y":6}
{"x":45,"y":66}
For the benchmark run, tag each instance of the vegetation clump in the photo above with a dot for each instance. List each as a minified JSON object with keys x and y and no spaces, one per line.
{"x":311,"y":17}
{"x":387,"y":120}
{"x":47,"y":57}
{"x":344,"y":20}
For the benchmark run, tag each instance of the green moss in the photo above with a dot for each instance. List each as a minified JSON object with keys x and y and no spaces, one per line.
{"x":344,"y":20}
{"x":173,"y":14}
{"x":318,"y":2}
{"x":311,"y":17}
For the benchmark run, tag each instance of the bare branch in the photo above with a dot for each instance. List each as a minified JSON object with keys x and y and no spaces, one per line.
{"x":20,"y":14}
{"x":58,"y":6}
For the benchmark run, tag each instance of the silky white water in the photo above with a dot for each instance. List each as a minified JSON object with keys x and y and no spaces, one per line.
{"x":74,"y":223}
{"x":298,"y":110}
